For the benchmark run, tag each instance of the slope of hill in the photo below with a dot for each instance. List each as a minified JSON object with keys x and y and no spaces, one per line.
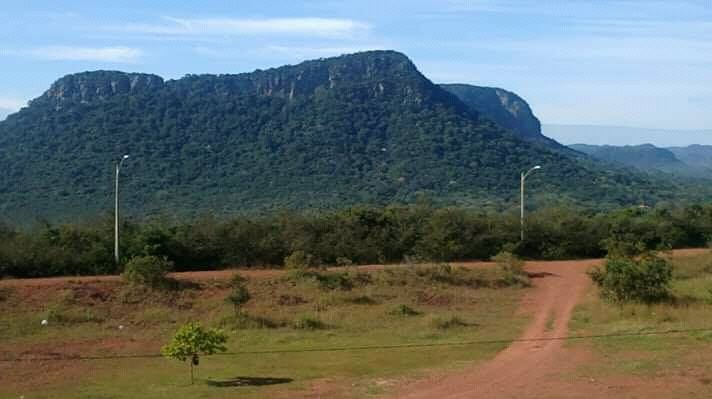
{"x":360,"y":128}
{"x":648,"y":157}
{"x":507,"y":110}
{"x":501,"y":106}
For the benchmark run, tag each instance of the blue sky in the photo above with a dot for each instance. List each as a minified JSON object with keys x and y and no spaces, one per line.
{"x":643,"y":63}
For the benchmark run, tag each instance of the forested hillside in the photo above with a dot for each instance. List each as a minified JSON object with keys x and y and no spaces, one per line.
{"x":366,"y":128}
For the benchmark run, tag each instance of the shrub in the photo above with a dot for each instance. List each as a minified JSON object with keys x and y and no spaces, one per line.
{"x":343,"y":261}
{"x":300,"y":260}
{"x":239,"y":295}
{"x":243,"y":321}
{"x":147,"y":270}
{"x":512,"y":268}
{"x":448,"y":322}
{"x":309,"y":323}
{"x":5,"y":293}
{"x":361,"y":300}
{"x":330,"y":281}
{"x":403,"y":310}
{"x":63,"y":316}
{"x":644,"y":280}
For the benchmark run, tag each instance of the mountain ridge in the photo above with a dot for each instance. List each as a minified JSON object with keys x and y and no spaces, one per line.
{"x":364,"y":128}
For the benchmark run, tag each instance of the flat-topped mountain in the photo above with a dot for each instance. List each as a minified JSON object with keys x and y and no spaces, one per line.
{"x":365,"y":128}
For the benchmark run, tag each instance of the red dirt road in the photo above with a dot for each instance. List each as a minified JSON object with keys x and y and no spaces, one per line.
{"x":524,"y":367}
{"x":534,"y":369}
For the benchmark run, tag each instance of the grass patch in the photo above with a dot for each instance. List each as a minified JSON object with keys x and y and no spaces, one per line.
{"x":295,"y":315}
{"x":244,"y":321}
{"x":446,"y":323}
{"x":309,"y":323}
{"x":361,"y":300}
{"x":649,"y":355}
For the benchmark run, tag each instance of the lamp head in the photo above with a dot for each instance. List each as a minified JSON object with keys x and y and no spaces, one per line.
{"x":536,"y":167}
{"x":125,"y":156}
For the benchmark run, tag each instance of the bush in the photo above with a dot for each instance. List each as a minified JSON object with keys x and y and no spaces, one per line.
{"x":243,"y":321}
{"x":238,"y":296}
{"x":147,"y":270}
{"x":512,"y":269}
{"x":403,"y":310}
{"x":343,"y":261}
{"x":644,"y":280}
{"x":448,"y":322}
{"x":308,"y":323}
{"x":300,"y":260}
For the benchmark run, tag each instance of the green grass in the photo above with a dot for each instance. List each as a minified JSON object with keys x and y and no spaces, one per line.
{"x":651,"y":355}
{"x":400,"y":306}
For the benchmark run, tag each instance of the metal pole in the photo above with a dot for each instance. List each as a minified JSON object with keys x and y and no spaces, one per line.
{"x":116,"y":209}
{"x":116,"y":216}
{"x":521,"y":200}
{"x":521,"y":208}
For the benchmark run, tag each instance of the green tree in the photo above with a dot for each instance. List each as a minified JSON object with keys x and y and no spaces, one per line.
{"x":191,"y":341}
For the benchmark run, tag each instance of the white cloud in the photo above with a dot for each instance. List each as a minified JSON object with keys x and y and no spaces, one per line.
{"x":310,"y":26}
{"x":120,"y":54}
{"x":11,"y":104}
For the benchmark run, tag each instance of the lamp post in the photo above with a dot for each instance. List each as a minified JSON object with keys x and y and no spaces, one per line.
{"x":521,"y":187}
{"x":116,"y":210}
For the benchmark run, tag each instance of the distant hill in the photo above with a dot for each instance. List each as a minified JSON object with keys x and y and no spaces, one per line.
{"x":622,"y":135}
{"x":365,"y":128}
{"x":698,"y":156}
{"x":648,"y":157}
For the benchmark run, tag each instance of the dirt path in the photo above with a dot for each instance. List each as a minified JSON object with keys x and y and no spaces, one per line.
{"x":522,"y":368}
{"x":531,"y":369}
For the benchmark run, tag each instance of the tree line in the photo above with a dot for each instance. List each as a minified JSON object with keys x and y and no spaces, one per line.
{"x":358,"y":235}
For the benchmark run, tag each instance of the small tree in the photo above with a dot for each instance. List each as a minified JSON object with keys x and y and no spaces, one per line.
{"x":191,"y":341}
{"x":239,"y":295}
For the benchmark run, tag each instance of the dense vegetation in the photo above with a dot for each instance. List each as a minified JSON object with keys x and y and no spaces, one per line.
{"x":366,"y":128}
{"x":355,"y":235}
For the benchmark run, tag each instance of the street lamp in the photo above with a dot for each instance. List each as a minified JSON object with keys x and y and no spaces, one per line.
{"x":116,"y":210}
{"x":521,"y":219}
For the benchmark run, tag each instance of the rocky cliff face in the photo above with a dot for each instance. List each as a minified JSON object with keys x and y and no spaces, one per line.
{"x":501,"y":106}
{"x":378,"y":68}
{"x":86,"y":87}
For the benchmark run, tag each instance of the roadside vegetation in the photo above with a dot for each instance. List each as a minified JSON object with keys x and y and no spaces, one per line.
{"x":391,"y":234}
{"x":671,"y":294}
